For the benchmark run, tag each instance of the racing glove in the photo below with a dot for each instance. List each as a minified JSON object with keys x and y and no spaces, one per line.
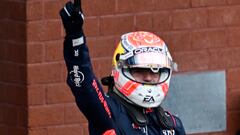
{"x":72,"y":18}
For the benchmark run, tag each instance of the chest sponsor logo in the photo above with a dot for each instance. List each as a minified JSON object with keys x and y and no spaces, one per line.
{"x":137,"y":127}
{"x":168,"y":132}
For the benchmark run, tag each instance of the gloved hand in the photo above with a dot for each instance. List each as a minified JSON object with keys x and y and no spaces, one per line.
{"x":72,"y":17}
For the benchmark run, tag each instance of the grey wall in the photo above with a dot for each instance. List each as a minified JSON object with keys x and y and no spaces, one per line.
{"x":199,"y":99}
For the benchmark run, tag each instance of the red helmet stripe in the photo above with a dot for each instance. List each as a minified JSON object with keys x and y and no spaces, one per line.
{"x":164,"y":88}
{"x":129,"y":87}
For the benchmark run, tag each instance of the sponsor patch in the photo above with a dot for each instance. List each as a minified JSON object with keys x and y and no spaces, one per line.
{"x":148,"y":99}
{"x":147,"y":50}
{"x":139,"y":128}
{"x":77,"y":42}
{"x":76,"y":53}
{"x":101,"y":98}
{"x":76,"y":76}
{"x":168,"y":132}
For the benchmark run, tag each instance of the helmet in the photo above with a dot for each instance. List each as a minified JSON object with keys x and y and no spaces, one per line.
{"x":142,"y":50}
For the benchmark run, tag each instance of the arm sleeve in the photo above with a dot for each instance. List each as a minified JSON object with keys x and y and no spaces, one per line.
{"x":179,"y":127}
{"x":87,"y":90}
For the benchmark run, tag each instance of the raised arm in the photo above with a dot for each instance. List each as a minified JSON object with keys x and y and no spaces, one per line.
{"x":81,"y":79}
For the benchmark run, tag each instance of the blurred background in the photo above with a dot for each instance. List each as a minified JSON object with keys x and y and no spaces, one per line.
{"x":202,"y":35}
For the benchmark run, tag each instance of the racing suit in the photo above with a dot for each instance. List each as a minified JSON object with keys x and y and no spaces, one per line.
{"x":106,"y":114}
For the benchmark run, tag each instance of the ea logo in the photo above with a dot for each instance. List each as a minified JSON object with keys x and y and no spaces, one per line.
{"x":149,"y":99}
{"x":76,"y":76}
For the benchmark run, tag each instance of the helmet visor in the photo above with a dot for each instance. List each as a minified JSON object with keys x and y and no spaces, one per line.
{"x":148,"y":65}
{"x":146,"y":75}
{"x":149,"y":60}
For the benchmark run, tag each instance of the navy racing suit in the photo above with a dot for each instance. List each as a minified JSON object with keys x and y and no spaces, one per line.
{"x":106,"y":115}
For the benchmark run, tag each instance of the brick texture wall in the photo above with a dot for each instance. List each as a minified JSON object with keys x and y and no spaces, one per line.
{"x":13,"y":97}
{"x":34,"y":98}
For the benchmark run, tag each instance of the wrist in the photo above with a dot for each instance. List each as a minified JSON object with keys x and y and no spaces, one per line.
{"x":75,"y":34}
